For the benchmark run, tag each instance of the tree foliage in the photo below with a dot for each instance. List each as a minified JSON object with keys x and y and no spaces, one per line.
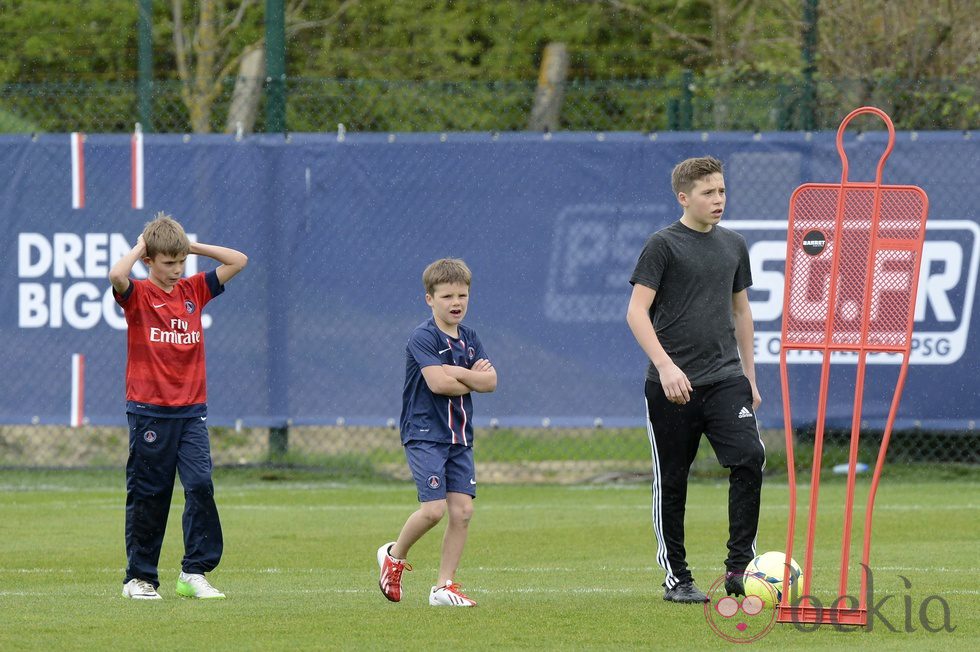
{"x":456,"y":40}
{"x":885,"y":47}
{"x":53,"y":40}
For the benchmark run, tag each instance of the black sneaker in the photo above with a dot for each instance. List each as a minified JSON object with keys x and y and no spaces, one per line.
{"x":685,"y":592}
{"x":734,"y":584}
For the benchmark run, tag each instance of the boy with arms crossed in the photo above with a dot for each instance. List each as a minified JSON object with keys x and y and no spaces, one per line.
{"x":166,"y":405}
{"x":689,"y":312}
{"x":445,"y":362}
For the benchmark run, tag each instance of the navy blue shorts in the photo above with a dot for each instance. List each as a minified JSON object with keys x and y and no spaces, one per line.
{"x":439,"y":468}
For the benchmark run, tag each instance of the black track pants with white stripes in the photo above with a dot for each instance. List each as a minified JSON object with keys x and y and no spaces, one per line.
{"x":723,"y":413}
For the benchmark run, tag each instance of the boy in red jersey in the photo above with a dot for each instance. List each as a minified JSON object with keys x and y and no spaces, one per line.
{"x":166,"y":405}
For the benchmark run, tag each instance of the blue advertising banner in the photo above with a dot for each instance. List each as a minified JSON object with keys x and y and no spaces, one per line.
{"x":339,"y":231}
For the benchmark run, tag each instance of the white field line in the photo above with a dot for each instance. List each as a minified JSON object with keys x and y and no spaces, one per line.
{"x":245,"y":491}
{"x":276,"y":507}
{"x":473,"y":590}
{"x":624,"y":570}
{"x":233,"y":489}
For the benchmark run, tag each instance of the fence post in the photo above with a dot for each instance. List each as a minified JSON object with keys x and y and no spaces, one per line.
{"x":685,"y":117}
{"x":551,"y":88}
{"x":673,"y":110}
{"x":144,"y":84}
{"x":808,"y":104}
{"x":785,"y":103}
{"x":278,"y":443}
{"x":275,"y":64}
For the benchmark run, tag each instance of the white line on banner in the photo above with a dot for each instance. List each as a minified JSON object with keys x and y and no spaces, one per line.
{"x":137,"y":175}
{"x":77,"y":169}
{"x":77,"y":390}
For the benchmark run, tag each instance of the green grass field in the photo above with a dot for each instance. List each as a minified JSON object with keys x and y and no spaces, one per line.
{"x":553,"y":567}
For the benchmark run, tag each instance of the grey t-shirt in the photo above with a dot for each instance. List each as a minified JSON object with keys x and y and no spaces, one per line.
{"x":695,"y":275}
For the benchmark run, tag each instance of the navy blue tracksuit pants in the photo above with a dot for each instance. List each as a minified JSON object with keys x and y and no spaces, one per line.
{"x":158,"y":449}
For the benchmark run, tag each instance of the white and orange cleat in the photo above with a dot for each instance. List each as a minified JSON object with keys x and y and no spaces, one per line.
{"x":450,"y":595}
{"x":390,"y":580}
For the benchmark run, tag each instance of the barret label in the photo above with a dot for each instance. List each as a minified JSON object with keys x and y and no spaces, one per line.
{"x":814,"y":242}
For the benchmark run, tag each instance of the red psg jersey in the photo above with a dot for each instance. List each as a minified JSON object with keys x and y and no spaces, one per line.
{"x":165,"y":349}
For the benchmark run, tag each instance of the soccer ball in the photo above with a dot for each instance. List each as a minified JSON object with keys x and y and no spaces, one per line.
{"x":764,"y":577}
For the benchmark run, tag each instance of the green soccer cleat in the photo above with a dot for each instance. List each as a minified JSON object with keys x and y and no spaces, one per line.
{"x":192,"y":585}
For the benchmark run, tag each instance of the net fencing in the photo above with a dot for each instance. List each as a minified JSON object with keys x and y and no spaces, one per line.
{"x":680,"y":103}
{"x":306,"y":348}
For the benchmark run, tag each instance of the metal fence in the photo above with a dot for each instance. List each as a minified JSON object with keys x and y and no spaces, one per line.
{"x":563,"y":455}
{"x":687,"y":103}
{"x":532,"y":204}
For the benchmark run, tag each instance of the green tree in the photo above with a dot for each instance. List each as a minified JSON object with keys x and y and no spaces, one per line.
{"x":53,"y":40}
{"x":912,"y":63}
{"x":920,"y":65}
{"x":209,"y":44}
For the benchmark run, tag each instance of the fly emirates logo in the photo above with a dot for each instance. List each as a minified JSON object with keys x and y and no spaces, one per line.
{"x":63,"y":281}
{"x":176,"y":335}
